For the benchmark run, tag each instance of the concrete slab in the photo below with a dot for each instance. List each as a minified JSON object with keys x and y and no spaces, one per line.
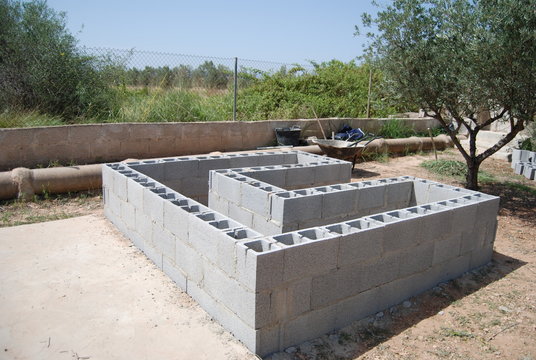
{"x":78,"y":288}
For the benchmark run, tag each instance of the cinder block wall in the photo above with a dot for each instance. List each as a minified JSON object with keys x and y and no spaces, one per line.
{"x":275,"y":291}
{"x":97,"y":143}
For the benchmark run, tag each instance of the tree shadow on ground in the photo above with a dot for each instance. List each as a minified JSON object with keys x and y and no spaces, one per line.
{"x":364,"y":335}
{"x":516,"y":199}
{"x":363,"y":174}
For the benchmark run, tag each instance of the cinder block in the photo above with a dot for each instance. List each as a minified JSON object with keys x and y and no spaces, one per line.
{"x":308,"y":326}
{"x":254,"y":198}
{"x":447,"y":248}
{"x":338,"y":202}
{"x":183,"y":167}
{"x":450,"y":269}
{"x":330,"y":287}
{"x":259,"y":264}
{"x":128,"y":215}
{"x":113,"y":203}
{"x":310,"y":259}
{"x":228,"y":187}
{"x":362,"y":240}
{"x":213,"y":163}
{"x":164,"y":241}
{"x":298,"y":297}
{"x":154,"y":170}
{"x":241,"y":215}
{"x":218,"y":203}
{"x":356,"y":307}
{"x":269,"y":227}
{"x":416,"y":259}
{"x":295,"y":208}
{"x":176,"y":218}
{"x":174,"y":272}
{"x":275,"y":176}
{"x":194,"y":186}
{"x":370,"y":197}
{"x":189,"y":261}
{"x":398,"y":194}
{"x":153,"y":204}
{"x":108,"y":176}
{"x":135,"y":193}
{"x":120,"y":185}
{"x":381,"y":271}
{"x":299,"y":177}
{"x":153,"y":254}
{"x":401,"y":230}
{"x":481,"y":256}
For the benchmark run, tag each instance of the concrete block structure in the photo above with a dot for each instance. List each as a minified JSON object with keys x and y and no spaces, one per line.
{"x":524,"y":163}
{"x":283,"y":247}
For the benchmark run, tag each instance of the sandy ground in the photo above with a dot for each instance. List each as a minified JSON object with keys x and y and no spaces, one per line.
{"x":76,"y":288}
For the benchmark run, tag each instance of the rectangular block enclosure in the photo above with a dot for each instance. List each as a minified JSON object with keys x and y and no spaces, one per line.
{"x":280,"y":247}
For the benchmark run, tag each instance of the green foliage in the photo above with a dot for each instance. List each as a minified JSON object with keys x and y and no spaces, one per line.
{"x":461,"y":58}
{"x":335,"y":89}
{"x":530,"y":142}
{"x":41,"y":67}
{"x":394,"y":129}
{"x":453,"y":168}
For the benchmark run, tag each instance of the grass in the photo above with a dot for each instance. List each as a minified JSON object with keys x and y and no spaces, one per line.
{"x":396,"y":129}
{"x":454,"y":168}
{"x":449,"y":332}
{"x":47,"y":207}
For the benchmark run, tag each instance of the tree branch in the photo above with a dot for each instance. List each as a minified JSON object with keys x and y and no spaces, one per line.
{"x":493,"y":119}
{"x":519,"y":126}
{"x":452,"y":134}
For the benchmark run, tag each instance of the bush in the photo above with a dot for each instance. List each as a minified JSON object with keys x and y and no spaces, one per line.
{"x":41,"y":68}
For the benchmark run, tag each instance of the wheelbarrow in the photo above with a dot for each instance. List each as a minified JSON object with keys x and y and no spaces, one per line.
{"x":344,"y":150}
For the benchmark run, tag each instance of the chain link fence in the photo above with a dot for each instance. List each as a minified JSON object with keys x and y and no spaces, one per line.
{"x":111,"y":85}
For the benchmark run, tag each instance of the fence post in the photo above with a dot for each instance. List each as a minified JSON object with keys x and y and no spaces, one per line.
{"x":235,"y":86}
{"x":369,"y":91}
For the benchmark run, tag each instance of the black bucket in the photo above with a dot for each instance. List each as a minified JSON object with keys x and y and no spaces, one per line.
{"x":288,"y":136}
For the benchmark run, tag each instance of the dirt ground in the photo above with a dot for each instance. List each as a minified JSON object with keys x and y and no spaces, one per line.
{"x":486,"y":314}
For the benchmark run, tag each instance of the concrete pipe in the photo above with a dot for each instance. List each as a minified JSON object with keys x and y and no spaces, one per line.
{"x":24,"y":183}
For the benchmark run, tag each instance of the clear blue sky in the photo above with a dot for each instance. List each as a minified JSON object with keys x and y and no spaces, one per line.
{"x":282,"y":31}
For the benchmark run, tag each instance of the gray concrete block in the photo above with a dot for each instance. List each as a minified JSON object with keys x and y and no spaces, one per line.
{"x":153,"y":204}
{"x":416,"y":259}
{"x":174,"y":272}
{"x":401,"y":230}
{"x":331,"y":287}
{"x":182,"y":168}
{"x":189,"y":261}
{"x":120,"y":186}
{"x":436,"y":222}
{"x":298,"y":297}
{"x":337,"y":200}
{"x":153,"y":254}
{"x":315,"y":257}
{"x":276,"y":176}
{"x":218,"y":203}
{"x":228,"y":187}
{"x":308,"y":326}
{"x":481,"y":256}
{"x":360,"y":240}
{"x":450,"y":269}
{"x":164,"y":241}
{"x":299,"y":176}
{"x":356,"y":307}
{"x":154,"y":170}
{"x":108,"y":176}
{"x":212,"y":162}
{"x":240,"y":215}
{"x":242,"y":160}
{"x":383,"y":270}
{"x":224,"y":316}
{"x":398,"y":194}
{"x":135,"y":193}
{"x":269,"y":227}
{"x":176,"y":218}
{"x":254,"y":198}
{"x":259,"y":264}
{"x":290,"y":207}
{"x":205,"y":230}
{"x":128,"y":214}
{"x":447,"y":248}
{"x":370,"y":197}
{"x":194,"y":186}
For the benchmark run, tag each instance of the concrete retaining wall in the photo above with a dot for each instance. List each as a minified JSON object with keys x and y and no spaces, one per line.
{"x":274,"y":291}
{"x":97,"y":143}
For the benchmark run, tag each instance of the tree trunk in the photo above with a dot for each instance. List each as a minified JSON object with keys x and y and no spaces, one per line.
{"x":471,"y":180}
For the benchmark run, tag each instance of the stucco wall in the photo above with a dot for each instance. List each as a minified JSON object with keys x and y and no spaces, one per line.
{"x":97,"y":143}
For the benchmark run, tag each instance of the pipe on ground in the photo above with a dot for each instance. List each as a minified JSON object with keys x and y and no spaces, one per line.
{"x":25,"y":183}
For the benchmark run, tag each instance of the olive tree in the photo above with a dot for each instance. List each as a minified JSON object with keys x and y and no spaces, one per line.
{"x":458,"y":59}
